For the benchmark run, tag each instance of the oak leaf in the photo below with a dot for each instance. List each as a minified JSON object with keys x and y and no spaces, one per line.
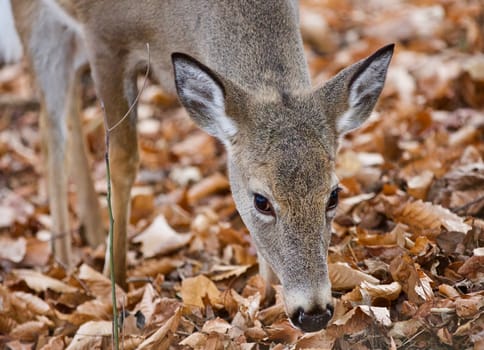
{"x":428,"y":216}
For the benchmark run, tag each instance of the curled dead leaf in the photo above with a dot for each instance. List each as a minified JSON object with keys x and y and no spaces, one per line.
{"x":343,"y":276}
{"x":153,"y":267}
{"x":386,"y":291}
{"x":448,"y":291}
{"x":55,"y":343}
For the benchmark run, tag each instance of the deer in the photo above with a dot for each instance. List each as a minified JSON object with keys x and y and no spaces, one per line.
{"x":239,"y":69}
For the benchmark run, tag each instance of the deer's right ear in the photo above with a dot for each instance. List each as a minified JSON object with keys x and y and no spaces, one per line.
{"x":354,"y":91}
{"x":202,"y":93}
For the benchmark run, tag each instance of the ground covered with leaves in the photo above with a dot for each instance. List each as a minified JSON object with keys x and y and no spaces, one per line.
{"x":407,"y":256}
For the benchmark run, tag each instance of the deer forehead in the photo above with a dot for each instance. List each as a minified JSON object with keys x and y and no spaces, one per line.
{"x":290,"y":169}
{"x":302,"y":175}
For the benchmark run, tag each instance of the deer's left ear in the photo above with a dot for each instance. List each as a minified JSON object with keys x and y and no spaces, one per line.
{"x":355,"y":90}
{"x":201,"y":91}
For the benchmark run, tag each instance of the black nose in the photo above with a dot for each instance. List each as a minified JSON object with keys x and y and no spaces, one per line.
{"x":312,"y":320}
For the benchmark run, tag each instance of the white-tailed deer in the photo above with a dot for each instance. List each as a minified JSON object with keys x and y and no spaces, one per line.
{"x":239,"y":69}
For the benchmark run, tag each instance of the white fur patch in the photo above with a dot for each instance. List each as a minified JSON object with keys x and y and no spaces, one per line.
{"x":345,"y":122}
{"x":368,"y":83}
{"x":10,"y":46}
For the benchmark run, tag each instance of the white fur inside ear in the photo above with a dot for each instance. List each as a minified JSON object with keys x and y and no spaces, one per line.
{"x":363,"y":94}
{"x":368,"y":84}
{"x":346,"y":122}
{"x":203,"y":96}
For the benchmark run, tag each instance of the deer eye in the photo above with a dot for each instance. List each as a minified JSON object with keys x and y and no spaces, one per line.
{"x":333,"y":199}
{"x":263,"y":205}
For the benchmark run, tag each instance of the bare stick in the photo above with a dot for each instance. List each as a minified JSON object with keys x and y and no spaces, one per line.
{"x":111,"y":238}
{"x":110,"y":209}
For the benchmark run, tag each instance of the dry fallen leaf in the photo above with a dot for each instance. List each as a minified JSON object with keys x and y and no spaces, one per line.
{"x":346,"y":204}
{"x":159,"y":238}
{"x":195,"y":340}
{"x":317,"y":340}
{"x":468,"y":306}
{"x":99,"y":285}
{"x":413,"y":280}
{"x":448,"y":291}
{"x":428,"y":216}
{"x":216,"y":325}
{"x":54,"y":343}
{"x":359,"y":318}
{"x":405,"y":329}
{"x":473,"y":268}
{"x":90,"y":335}
{"x":343,"y":276}
{"x":161,"y":339}
{"x":41,"y":283}
{"x":386,"y":291}
{"x":221,"y":272}
{"x":195,"y":289}
{"x":29,"y":331}
{"x":283,"y":332}
{"x":30,"y":302}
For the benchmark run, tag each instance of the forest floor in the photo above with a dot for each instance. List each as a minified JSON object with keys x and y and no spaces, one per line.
{"x":407,"y":253}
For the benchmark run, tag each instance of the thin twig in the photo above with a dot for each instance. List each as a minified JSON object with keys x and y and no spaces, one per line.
{"x":111,"y":238}
{"x":110,"y":210}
